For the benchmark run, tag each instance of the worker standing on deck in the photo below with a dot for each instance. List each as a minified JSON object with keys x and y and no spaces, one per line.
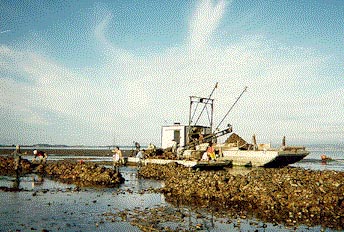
{"x":200,"y":138}
{"x":174,"y":146}
{"x":211,"y":151}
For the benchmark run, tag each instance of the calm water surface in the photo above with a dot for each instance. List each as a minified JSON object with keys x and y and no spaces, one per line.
{"x":47,"y":204}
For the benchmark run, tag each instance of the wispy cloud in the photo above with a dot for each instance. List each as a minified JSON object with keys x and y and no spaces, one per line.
{"x":204,"y":22}
{"x":133,"y":95}
{"x":5,"y":31}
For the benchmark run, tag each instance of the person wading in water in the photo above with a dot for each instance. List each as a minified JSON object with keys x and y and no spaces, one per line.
{"x":17,"y":165}
{"x":117,"y":158}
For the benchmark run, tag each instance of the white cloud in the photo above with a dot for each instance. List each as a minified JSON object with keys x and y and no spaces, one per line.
{"x":206,"y":19}
{"x":132,"y":96}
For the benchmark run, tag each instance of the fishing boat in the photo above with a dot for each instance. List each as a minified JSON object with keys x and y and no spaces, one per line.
{"x":194,"y":139}
{"x":267,"y":157}
{"x":241,"y":153}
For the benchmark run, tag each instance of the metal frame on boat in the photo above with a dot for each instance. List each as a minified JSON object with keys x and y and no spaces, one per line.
{"x":194,"y":138}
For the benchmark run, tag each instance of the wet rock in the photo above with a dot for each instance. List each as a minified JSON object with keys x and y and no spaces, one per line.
{"x":155,"y":219}
{"x":83,"y":174}
{"x":10,"y":189}
{"x":7,"y":166}
{"x":287,"y":195}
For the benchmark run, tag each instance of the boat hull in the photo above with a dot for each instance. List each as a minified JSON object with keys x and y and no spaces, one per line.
{"x":194,"y":164}
{"x":186,"y":163}
{"x":213,"y":165}
{"x":285,"y":158}
{"x":269,"y":158}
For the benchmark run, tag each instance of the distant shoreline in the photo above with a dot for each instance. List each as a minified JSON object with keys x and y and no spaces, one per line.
{"x":66,"y":151}
{"x":48,"y":146}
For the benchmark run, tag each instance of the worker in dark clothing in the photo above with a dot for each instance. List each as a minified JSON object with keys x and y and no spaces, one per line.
{"x":137,"y":148}
{"x":41,"y":155}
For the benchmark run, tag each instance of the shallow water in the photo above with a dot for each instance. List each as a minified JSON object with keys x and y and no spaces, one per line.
{"x":55,"y":206}
{"x":314,"y":162}
{"x":47,"y":204}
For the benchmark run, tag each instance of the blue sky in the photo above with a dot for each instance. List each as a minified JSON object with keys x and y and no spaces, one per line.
{"x":104,"y":72}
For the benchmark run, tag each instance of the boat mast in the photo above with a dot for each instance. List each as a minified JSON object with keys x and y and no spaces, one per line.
{"x":205,"y":105}
{"x":200,"y":100}
{"x":217,"y":128}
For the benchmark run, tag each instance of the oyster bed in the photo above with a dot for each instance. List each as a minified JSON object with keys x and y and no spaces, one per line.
{"x":289,"y":195}
{"x":139,"y":203}
{"x":80,"y":174}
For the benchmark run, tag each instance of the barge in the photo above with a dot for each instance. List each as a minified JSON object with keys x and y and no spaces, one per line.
{"x":190,"y":142}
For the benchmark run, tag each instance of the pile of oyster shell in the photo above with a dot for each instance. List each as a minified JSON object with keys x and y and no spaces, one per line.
{"x":7,"y":166}
{"x":81,"y":174}
{"x":288,"y":195}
